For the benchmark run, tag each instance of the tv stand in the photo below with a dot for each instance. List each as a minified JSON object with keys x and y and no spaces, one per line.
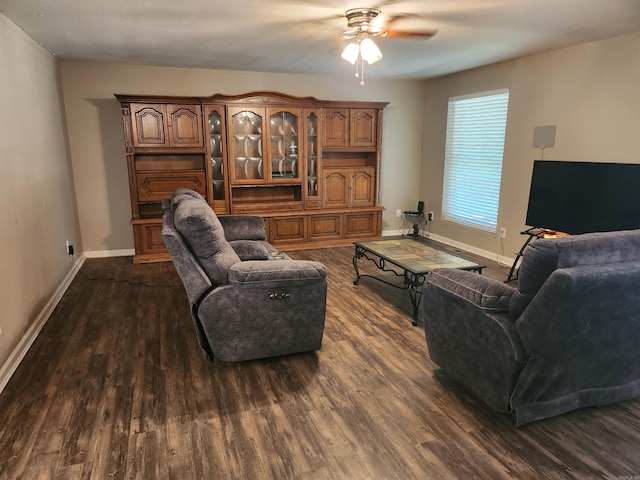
{"x":533,"y":232}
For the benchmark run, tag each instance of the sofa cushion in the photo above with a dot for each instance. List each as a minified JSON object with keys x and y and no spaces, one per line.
{"x":203,"y":233}
{"x":250,"y":250}
{"x":486,"y":293}
{"x":257,"y":250}
{"x":243,"y":227}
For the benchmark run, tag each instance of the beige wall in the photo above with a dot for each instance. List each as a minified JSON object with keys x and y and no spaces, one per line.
{"x":38,"y":211}
{"x":591,"y":92}
{"x":96,"y":141}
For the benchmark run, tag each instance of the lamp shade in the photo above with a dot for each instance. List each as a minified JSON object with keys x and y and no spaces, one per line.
{"x":350,"y":53}
{"x":369,"y":51}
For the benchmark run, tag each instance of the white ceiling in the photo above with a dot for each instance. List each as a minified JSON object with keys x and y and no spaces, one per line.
{"x":302,"y":36}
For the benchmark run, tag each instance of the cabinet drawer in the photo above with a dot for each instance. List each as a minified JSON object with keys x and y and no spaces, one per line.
{"x":325,"y":227}
{"x":158,"y":186}
{"x":312,"y":205}
{"x":287,"y":229}
{"x":361,"y":224}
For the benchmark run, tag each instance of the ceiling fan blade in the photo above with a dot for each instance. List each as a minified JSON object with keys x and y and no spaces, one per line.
{"x":390,"y":32}
{"x":405,"y":34}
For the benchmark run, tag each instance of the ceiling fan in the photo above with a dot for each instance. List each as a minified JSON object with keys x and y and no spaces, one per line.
{"x":362,"y":25}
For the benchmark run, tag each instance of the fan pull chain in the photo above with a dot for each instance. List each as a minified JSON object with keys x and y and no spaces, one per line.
{"x":360,"y":66}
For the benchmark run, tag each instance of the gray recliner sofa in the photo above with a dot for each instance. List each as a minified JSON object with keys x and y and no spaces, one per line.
{"x":567,"y":337}
{"x":248,"y":300}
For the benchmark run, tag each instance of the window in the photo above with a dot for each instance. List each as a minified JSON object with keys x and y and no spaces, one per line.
{"x":476,"y":127}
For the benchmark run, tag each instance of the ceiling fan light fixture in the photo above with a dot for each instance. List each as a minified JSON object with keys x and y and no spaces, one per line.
{"x":370,"y":51}
{"x":350,"y":53}
{"x":362,"y":48}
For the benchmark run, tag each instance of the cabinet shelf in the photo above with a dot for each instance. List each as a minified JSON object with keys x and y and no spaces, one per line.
{"x":348,"y":159}
{"x":150,"y":210}
{"x":284,"y":175}
{"x":267,"y":198}
{"x":147,"y":162}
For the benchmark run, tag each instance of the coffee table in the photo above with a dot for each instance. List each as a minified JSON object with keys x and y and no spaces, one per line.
{"x":413,"y":258}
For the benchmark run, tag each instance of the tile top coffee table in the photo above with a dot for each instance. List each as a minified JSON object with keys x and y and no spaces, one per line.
{"x":414,"y":258}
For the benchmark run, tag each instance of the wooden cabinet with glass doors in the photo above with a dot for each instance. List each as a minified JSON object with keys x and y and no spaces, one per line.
{"x":283,"y":145}
{"x":309,"y":167}
{"x":265,"y":174}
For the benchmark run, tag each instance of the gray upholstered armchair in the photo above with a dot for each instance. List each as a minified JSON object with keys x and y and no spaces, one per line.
{"x":247,"y":300}
{"x":567,"y":337}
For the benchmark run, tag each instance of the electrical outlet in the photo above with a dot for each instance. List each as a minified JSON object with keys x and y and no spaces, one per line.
{"x":430,"y":216}
{"x":398,"y":213}
{"x":503,"y":232}
{"x":69,"y":248}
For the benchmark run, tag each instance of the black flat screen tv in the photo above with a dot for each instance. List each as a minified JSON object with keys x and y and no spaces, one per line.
{"x":582,"y":197}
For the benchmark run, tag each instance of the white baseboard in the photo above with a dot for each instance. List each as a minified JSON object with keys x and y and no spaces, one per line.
{"x":10,"y":366}
{"x":501,"y":259}
{"x":125,"y":252}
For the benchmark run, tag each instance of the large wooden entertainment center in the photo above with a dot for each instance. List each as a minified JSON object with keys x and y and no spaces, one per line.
{"x":309,"y":167}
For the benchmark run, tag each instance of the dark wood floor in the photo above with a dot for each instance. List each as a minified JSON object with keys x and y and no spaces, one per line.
{"x":116,"y":387}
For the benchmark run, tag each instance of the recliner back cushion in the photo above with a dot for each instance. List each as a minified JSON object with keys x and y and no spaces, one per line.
{"x":544,"y":256}
{"x":203,"y":233}
{"x":180,"y":194}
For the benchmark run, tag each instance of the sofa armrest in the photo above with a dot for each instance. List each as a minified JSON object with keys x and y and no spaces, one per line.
{"x":276,"y":272}
{"x":257,"y":250}
{"x":485,"y":292}
{"x":470,"y":335}
{"x":243,"y":227}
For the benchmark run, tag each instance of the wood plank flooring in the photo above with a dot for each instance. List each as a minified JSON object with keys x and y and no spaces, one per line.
{"x":115,"y":387}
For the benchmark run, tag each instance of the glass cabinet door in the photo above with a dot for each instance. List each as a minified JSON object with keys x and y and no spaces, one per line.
{"x":284,"y":145}
{"x":215,"y":154}
{"x":312,"y":154}
{"x":246,"y":146}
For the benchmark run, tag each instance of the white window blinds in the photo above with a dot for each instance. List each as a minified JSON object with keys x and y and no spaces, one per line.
{"x":476,"y":127}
